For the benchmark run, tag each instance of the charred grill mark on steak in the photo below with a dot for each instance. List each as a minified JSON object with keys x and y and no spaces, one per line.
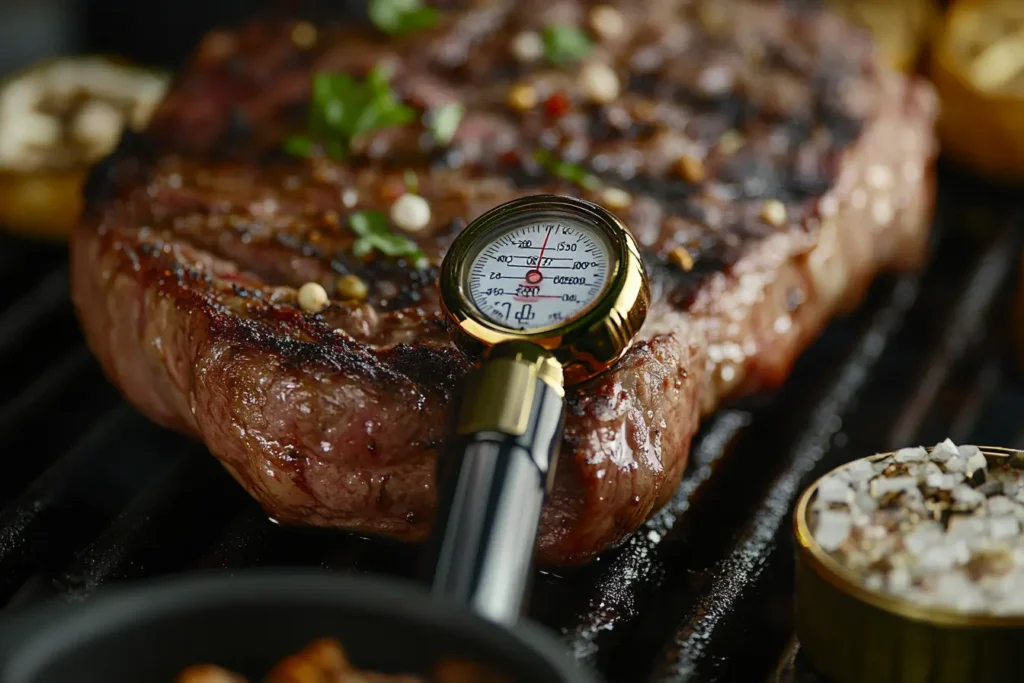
{"x":198,"y":233}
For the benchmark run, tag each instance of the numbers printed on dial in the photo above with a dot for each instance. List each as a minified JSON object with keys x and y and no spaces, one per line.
{"x":539,"y":275}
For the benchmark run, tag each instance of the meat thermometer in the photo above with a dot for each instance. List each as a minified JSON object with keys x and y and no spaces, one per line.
{"x":548,"y":291}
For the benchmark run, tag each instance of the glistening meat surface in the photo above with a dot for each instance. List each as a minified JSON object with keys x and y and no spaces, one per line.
{"x":773,"y":166}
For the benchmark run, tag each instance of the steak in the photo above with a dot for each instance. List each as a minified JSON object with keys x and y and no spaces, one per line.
{"x":771,"y":166}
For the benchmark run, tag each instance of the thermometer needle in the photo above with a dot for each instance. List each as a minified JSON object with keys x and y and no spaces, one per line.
{"x":534,"y":276}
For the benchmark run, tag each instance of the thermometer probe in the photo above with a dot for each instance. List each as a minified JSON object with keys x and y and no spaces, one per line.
{"x":548,"y":291}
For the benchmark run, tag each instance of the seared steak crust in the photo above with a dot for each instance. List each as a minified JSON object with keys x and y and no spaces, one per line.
{"x":198,"y":233}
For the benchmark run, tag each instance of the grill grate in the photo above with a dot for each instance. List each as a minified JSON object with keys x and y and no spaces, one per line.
{"x":94,"y":494}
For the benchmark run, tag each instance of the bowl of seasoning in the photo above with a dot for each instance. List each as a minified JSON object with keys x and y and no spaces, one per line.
{"x":910,"y":567}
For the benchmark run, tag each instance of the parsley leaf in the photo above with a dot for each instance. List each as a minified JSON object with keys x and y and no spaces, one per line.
{"x":372,"y":228}
{"x":566,"y":170}
{"x":565,"y":44}
{"x":343,"y":108}
{"x":401,"y":16}
{"x":444,"y":121}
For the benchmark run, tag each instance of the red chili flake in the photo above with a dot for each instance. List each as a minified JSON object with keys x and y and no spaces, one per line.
{"x":509,"y":157}
{"x":557,"y":105}
{"x":392,"y":190}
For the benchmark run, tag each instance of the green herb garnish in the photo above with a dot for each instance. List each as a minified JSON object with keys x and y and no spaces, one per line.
{"x":444,"y":121}
{"x":372,"y":228}
{"x":565,"y":44}
{"x":412,"y":181}
{"x":343,"y":108}
{"x":402,"y":16}
{"x":566,"y":170}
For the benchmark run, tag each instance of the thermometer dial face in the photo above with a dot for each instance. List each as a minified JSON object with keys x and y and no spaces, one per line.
{"x":539,"y":274}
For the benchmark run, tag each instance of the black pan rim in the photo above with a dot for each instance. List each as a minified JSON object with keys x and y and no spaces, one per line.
{"x":30,"y":638}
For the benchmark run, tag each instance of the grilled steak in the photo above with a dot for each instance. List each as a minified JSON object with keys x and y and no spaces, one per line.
{"x":773,"y":167}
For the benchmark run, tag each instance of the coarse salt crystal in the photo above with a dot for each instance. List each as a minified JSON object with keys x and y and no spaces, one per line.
{"x":911,"y":454}
{"x":944,"y":556}
{"x":858,"y":471}
{"x":965,"y":495}
{"x":874,"y":582}
{"x":860,"y":518}
{"x":863,"y":501}
{"x":961,"y":526}
{"x":912,"y":497}
{"x":955,"y":464}
{"x":884,"y":485}
{"x":943,"y":482}
{"x":967,"y":450}
{"x":944,"y":450}
{"x":1001,"y":505}
{"x":1004,"y":527}
{"x":899,"y":580}
{"x":954,"y":588}
{"x":976,"y":462}
{"x":875,"y":532}
{"x":834,"y":490}
{"x":921,"y":538}
{"x":833,"y":528}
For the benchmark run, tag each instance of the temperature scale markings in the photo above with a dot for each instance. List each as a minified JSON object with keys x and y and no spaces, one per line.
{"x":534,"y":266}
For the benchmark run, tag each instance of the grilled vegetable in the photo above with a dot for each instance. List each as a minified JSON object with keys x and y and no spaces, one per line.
{"x":977,"y":66}
{"x":56,"y":119}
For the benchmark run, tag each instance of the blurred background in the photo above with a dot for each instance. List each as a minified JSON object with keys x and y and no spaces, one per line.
{"x":157,"y":32}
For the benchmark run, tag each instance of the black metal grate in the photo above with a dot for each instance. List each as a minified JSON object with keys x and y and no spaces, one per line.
{"x":93,"y":493}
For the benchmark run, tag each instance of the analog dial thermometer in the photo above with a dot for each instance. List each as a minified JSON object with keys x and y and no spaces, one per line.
{"x":546,"y":291}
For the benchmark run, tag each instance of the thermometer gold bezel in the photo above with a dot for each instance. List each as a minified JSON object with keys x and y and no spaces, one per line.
{"x":585,"y":345}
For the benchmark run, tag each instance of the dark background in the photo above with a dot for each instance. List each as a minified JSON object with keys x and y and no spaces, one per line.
{"x":157,"y":32}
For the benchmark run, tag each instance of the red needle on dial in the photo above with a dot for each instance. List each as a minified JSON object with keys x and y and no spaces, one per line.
{"x":534,"y":276}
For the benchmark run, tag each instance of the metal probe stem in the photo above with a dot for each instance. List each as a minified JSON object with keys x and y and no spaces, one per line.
{"x":494,"y":478}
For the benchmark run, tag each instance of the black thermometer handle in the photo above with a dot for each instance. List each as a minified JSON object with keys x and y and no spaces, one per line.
{"x":493,"y":479}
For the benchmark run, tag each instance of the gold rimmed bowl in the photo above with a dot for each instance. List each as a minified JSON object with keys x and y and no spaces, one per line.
{"x":853,"y":633}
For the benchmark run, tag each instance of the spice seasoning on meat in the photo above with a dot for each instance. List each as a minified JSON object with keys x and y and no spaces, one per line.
{"x":312,"y":297}
{"x":566,"y":170}
{"x":607,"y":22}
{"x":343,"y":108}
{"x":410,"y":212}
{"x":615,"y":198}
{"x":522,"y":97}
{"x":691,"y":168}
{"x":681,"y":258}
{"x":352,"y":287}
{"x":600,"y":83}
{"x":731,"y":142}
{"x":443,"y":122}
{"x":557,"y":105}
{"x":565,"y":44}
{"x":374,"y":235}
{"x":304,"y":35}
{"x":401,"y":16}
{"x":940,"y":527}
{"x":528,"y":46}
{"x":773,"y":212}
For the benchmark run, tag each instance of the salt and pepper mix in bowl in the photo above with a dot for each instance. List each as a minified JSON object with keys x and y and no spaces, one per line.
{"x":910,"y":567}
